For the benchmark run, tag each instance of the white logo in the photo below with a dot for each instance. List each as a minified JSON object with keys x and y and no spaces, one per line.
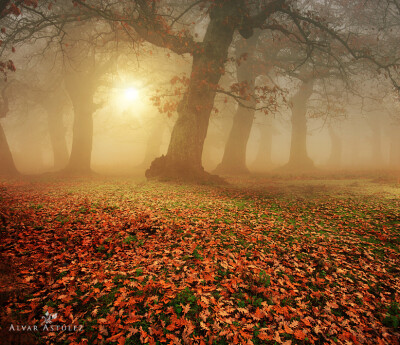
{"x":47,"y":326}
{"x":48,"y":318}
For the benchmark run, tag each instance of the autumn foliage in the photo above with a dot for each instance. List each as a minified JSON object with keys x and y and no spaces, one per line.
{"x":160,"y":263}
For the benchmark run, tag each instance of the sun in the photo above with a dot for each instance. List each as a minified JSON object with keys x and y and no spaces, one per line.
{"x":131,"y":94}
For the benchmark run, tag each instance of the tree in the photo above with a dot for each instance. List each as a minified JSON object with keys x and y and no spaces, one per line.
{"x":7,"y":165}
{"x":82,"y":74}
{"x":81,"y":87}
{"x":298,"y":158}
{"x":158,"y":23}
{"x":154,"y":142}
{"x":234,"y":158}
{"x":184,"y":154}
{"x":263,"y":160}
{"x":335,"y":158}
{"x":375,"y":138}
{"x":50,"y":97}
{"x":54,"y":104}
{"x":394,"y":153}
{"x":40,"y":83}
{"x":183,"y":159}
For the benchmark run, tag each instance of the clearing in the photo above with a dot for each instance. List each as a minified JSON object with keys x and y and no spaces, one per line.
{"x":263,"y":260}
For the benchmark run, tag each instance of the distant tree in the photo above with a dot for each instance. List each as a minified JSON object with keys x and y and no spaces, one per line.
{"x":335,"y":158}
{"x":7,"y":165}
{"x":54,"y":102}
{"x":394,"y":151}
{"x":31,"y":87}
{"x":234,"y":157}
{"x":375,"y":124}
{"x":87,"y":60}
{"x":163,"y":24}
{"x":154,"y":142}
{"x":298,"y":158}
{"x":263,"y":159}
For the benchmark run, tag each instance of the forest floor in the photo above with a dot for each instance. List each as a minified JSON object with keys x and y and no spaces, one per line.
{"x":262,"y":260}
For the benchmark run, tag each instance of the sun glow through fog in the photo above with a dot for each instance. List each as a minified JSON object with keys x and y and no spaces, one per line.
{"x":129,"y":99}
{"x":131,"y":94}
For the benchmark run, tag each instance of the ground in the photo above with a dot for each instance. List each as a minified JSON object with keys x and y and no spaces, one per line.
{"x":261,"y":260}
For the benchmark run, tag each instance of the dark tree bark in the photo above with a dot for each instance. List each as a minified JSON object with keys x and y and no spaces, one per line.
{"x":298,"y":159}
{"x":7,"y":165}
{"x":183,"y":159}
{"x":54,"y":104}
{"x":80,"y":88}
{"x":335,"y":158}
{"x":234,"y":158}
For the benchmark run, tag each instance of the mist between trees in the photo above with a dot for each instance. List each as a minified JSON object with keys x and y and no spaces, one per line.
{"x":196,"y":89}
{"x":258,"y":148}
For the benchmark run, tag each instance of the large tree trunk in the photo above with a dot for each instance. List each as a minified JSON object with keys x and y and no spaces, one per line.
{"x":81,"y":151}
{"x":57,"y":137}
{"x":54,"y":104}
{"x":298,"y":159}
{"x":7,"y":165}
{"x":335,"y":158}
{"x":81,"y":92}
{"x":183,"y":159}
{"x":263,"y":161}
{"x":234,"y":158}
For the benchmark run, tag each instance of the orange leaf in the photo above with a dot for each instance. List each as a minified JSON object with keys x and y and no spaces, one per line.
{"x":332,"y":305}
{"x":204,"y":326}
{"x":380,"y":341}
{"x":185,"y":308}
{"x":264,"y":336}
{"x":299,"y":334}
{"x":171,"y":327}
{"x":115,"y":337}
{"x":258,"y":313}
{"x":245,"y":335}
{"x":287,"y":329}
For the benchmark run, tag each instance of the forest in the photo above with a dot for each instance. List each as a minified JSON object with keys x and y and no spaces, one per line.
{"x":206,"y":172}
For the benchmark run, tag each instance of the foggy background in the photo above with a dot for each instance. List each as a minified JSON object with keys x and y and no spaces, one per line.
{"x":348,"y":127}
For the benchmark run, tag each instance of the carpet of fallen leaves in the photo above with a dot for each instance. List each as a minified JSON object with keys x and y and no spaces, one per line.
{"x":254,"y":262}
